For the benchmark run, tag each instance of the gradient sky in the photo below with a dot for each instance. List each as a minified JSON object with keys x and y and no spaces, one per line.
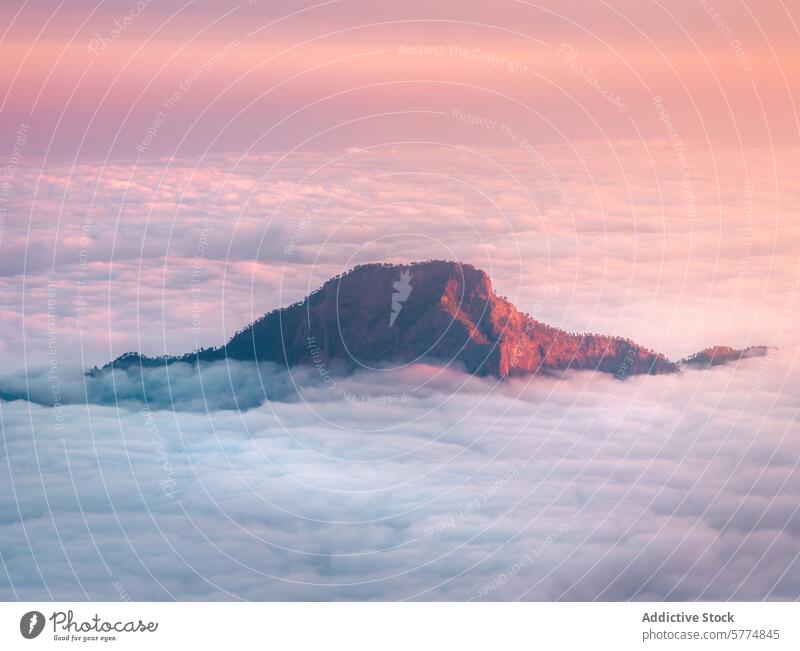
{"x":339,"y":73}
{"x":641,"y":157}
{"x":170,"y":171}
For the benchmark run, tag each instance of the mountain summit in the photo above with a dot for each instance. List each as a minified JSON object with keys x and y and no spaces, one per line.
{"x":380,"y":315}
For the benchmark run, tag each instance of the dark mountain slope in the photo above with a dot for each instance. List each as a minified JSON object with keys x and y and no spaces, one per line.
{"x":380,"y":314}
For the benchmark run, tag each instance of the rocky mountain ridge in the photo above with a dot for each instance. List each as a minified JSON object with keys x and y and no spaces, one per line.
{"x":383,"y":315}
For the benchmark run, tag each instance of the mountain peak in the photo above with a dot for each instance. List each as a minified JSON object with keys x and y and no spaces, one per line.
{"x":716,"y":355}
{"x":382,"y":315}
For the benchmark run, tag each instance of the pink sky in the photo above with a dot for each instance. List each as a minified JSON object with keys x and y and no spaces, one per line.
{"x":641,"y":158}
{"x":726,"y":72}
{"x":170,"y":170}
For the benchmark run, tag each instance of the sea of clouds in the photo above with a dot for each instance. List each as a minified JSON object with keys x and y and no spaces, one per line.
{"x":422,"y":483}
{"x":243,"y":482}
{"x":164,"y":255}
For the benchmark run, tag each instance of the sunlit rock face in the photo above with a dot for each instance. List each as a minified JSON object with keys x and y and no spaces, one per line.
{"x":381,"y":315}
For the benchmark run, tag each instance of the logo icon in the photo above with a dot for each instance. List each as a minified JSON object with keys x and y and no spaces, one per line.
{"x":31,"y":624}
{"x":402,"y":290}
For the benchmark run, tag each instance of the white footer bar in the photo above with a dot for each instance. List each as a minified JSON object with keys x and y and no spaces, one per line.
{"x":400,"y":626}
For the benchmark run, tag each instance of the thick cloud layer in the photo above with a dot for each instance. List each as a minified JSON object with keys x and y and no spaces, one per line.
{"x":631,"y":172}
{"x":416,"y":484}
{"x":181,"y":386}
{"x":164,"y":255}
